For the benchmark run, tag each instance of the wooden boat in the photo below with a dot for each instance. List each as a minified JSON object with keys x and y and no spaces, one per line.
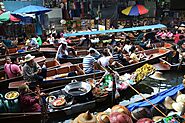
{"x":166,"y":66}
{"x":153,"y":54}
{"x":59,"y":76}
{"x":13,"y":52}
{"x":69,"y":109}
{"x":51,"y":64}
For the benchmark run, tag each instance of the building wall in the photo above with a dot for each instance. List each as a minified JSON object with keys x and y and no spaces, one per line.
{"x":19,"y":4}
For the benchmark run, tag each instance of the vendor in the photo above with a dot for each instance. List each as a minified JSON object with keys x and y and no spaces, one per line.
{"x":86,"y":42}
{"x":32,"y":72}
{"x":173,"y":56}
{"x":27,"y":102}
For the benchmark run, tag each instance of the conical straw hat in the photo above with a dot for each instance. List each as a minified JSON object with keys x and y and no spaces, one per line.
{"x":158,"y":76}
{"x":168,"y":102}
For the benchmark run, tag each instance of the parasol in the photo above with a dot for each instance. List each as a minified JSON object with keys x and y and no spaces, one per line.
{"x":135,"y":10}
{"x":32,"y":9}
{"x":6,"y":16}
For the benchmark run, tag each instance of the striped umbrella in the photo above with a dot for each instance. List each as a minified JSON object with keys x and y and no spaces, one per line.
{"x":135,"y":10}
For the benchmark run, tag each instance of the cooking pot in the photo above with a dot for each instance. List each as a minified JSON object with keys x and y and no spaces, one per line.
{"x":76,"y":89}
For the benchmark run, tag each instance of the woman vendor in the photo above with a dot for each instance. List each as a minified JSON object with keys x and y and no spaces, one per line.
{"x":27,"y":102}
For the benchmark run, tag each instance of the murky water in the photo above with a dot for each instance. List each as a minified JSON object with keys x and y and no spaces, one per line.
{"x":173,"y":78}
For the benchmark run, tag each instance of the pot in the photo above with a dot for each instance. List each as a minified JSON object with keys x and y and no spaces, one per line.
{"x":77,"y":89}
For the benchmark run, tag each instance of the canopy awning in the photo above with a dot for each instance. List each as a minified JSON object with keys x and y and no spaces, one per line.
{"x":117,"y":30}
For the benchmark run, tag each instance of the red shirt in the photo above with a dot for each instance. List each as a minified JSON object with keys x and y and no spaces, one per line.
{"x":176,"y":38}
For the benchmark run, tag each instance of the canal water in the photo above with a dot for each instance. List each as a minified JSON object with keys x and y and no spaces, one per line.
{"x":148,"y":87}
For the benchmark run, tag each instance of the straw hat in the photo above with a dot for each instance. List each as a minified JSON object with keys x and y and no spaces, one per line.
{"x":158,"y":76}
{"x":178,"y":106}
{"x":29,"y":57}
{"x":157,"y":118}
{"x":168,"y":102}
{"x":181,"y":98}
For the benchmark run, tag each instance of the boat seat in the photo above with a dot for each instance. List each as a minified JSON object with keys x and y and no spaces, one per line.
{"x":16,"y":84}
{"x":40,"y":60}
{"x":51,"y":72}
{"x":78,"y":69}
{"x":63,"y":70}
{"x":12,"y":50}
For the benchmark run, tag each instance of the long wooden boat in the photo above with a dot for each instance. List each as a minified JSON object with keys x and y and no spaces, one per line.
{"x":153,"y":55}
{"x":51,"y":64}
{"x":64,"y":112}
{"x":59,"y":76}
{"x":15,"y":54}
{"x":166,"y":66}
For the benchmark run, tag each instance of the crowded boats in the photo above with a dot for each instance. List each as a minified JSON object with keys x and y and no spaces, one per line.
{"x":67,"y":75}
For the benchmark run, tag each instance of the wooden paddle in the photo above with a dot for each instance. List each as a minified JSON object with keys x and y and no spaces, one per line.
{"x":146,"y":99}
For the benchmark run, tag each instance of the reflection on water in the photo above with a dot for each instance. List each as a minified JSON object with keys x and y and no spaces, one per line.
{"x":152,"y":86}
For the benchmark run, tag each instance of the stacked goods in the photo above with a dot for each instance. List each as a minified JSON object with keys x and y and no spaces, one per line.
{"x":143,"y":71}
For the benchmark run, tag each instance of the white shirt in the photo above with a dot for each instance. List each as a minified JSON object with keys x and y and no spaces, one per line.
{"x":127,"y":48}
{"x":104,"y":61}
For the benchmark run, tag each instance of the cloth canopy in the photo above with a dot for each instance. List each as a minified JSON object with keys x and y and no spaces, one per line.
{"x":32,"y":9}
{"x":158,"y":98}
{"x":116,"y":30}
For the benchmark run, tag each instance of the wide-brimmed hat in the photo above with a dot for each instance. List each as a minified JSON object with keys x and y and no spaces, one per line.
{"x":178,"y":106}
{"x":28,"y":58}
{"x":158,"y":76}
{"x":168,"y":102}
{"x":181,"y":98}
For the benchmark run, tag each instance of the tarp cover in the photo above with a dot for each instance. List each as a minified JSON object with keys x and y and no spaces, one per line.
{"x":117,"y":30}
{"x":158,"y":98}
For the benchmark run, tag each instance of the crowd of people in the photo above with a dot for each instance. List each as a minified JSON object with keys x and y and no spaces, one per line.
{"x":123,"y":51}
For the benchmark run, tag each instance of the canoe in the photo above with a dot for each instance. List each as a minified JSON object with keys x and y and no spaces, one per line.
{"x":166,"y":66}
{"x":64,"y":112}
{"x":153,"y":54}
{"x":60,"y":76}
{"x":15,"y":54}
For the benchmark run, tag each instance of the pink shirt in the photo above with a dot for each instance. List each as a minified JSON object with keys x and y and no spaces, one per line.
{"x":176,"y":38}
{"x":15,"y":69}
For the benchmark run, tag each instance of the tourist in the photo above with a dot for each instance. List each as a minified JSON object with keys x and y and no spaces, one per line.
{"x":89,"y":60}
{"x":11,"y":68}
{"x":176,"y":36}
{"x":133,"y":56}
{"x":29,"y":103}
{"x":2,"y":48}
{"x":39,"y":40}
{"x":63,"y":52}
{"x":105,"y":59}
{"x":33,"y":42}
{"x":7,"y":42}
{"x":32,"y":72}
{"x":86,"y":42}
{"x":127,"y":46}
{"x":119,"y":57}
{"x":173,"y":56}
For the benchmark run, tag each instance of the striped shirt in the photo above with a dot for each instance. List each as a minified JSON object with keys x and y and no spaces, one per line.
{"x":88,"y":63}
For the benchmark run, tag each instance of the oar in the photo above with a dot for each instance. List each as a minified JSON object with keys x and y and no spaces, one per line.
{"x":146,"y":100}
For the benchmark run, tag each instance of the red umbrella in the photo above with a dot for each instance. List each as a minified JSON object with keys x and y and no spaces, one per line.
{"x":7,"y":16}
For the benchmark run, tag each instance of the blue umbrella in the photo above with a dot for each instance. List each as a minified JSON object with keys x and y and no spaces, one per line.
{"x":32,"y":9}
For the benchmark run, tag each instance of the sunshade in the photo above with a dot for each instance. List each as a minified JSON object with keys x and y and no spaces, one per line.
{"x":135,"y":10}
{"x":157,"y":26}
{"x":32,"y":9}
{"x":6,"y":16}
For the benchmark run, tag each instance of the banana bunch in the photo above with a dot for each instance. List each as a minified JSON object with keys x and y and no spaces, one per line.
{"x":143,"y":71}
